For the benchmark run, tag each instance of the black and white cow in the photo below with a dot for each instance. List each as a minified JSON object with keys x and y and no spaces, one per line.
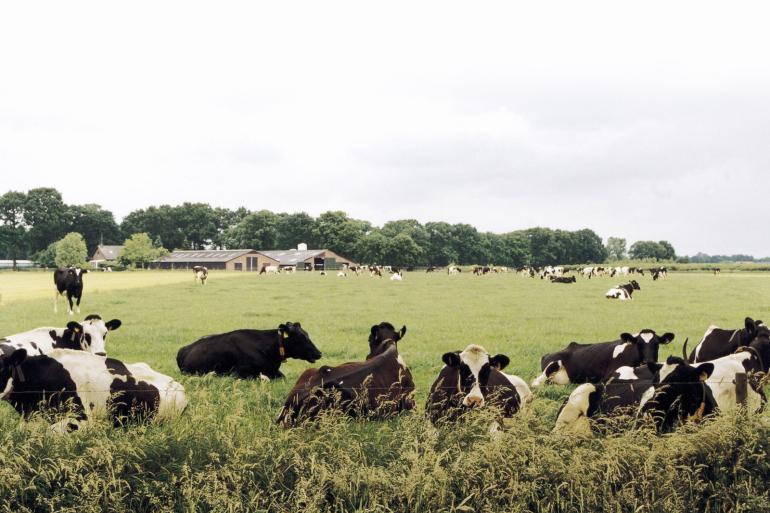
{"x":69,"y":280}
{"x":580,"y":363}
{"x":623,"y":292}
{"x":89,"y":336}
{"x":248,"y":353}
{"x":201,"y":273}
{"x":472,"y":378}
{"x":718,"y":342}
{"x":86,"y":386}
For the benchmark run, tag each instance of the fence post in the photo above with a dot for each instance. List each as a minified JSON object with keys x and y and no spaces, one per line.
{"x":741,"y":388}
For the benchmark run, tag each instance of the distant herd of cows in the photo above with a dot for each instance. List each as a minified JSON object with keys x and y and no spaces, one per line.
{"x":67,"y":370}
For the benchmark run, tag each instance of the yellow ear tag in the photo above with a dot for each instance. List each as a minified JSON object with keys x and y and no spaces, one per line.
{"x":77,"y":330}
{"x":285,"y":335}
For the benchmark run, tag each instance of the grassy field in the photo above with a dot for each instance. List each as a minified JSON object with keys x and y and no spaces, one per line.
{"x":225,"y":454}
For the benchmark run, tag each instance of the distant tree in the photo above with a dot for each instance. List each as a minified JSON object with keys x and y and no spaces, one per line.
{"x":47,"y":216}
{"x":97,"y":225}
{"x":667,"y":250}
{"x":616,"y":248}
{"x":293,"y":229}
{"x":13,"y":231}
{"x":339,"y":233}
{"x":546,"y":248}
{"x":140,"y":251}
{"x":156,"y":222}
{"x":226,"y":219}
{"x":440,"y":246}
{"x":515,"y":249}
{"x":402,"y":250}
{"x":71,"y":250}
{"x":372,"y":248}
{"x":46,"y":257}
{"x":467,"y":244}
{"x":197,"y":222}
{"x":648,"y":249}
{"x":258,"y":230}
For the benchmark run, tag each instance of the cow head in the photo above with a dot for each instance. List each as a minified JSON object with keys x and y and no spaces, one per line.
{"x":749,"y":331}
{"x":679,"y":393}
{"x":635,"y":285}
{"x":473,"y":366}
{"x":647,"y":343}
{"x":297,"y":343}
{"x":9,"y":371}
{"x":77,"y":273}
{"x":382,"y":336}
{"x":89,"y":336}
{"x":761,"y":345}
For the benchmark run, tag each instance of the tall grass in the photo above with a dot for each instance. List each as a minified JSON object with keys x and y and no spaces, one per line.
{"x":226,"y":454}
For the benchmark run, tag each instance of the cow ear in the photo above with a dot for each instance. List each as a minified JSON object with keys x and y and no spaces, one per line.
{"x":451,"y":359}
{"x":402,"y":332}
{"x":654,"y":367}
{"x":282,"y":327}
{"x":705,"y":370}
{"x":17,"y":357}
{"x":113,"y":324}
{"x":83,"y":271}
{"x":374,"y":331}
{"x":298,"y":325}
{"x":499,"y":361}
{"x":627,"y":338}
{"x":750,"y":325}
{"x":73,"y":326}
{"x":666,"y":338}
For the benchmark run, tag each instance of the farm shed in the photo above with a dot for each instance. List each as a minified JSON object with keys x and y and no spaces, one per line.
{"x":317,"y":258}
{"x":221,"y":259}
{"x":104,"y":253}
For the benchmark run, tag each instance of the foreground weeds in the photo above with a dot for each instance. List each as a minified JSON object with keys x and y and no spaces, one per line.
{"x":212,"y":461}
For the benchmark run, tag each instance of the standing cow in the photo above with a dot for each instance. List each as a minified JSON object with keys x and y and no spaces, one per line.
{"x":69,"y":280}
{"x":201,"y":273}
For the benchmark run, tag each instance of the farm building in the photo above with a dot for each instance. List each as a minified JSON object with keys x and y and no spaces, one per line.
{"x":222,"y":259}
{"x":252,"y":260}
{"x":105,"y":253}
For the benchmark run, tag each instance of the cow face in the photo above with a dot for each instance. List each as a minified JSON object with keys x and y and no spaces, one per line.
{"x":680,"y":392}
{"x":750,"y":330}
{"x":761,"y":345}
{"x":647,"y":344}
{"x":635,"y":285}
{"x":297,"y":343}
{"x":473,"y":366}
{"x":93,"y":333}
{"x":9,"y":370}
{"x":382,"y":336}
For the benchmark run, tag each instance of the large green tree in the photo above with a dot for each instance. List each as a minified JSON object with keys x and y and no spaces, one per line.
{"x":293,"y":229}
{"x":616,"y":248}
{"x":258,"y":230}
{"x":339,"y":233}
{"x":71,"y":251}
{"x":47,"y":217}
{"x":14,"y":242}
{"x":139,"y":251}
{"x":97,"y":225}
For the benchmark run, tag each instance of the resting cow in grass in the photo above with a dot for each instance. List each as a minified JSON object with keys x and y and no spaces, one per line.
{"x":718,"y":342}
{"x":85,"y":386}
{"x":248,"y":353}
{"x":89,"y":336}
{"x":380,"y":386}
{"x":580,"y":363}
{"x":472,"y":378}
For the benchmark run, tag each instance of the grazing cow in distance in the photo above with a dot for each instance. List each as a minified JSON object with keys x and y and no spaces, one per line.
{"x":86,"y":386}
{"x":396,"y":277}
{"x":623,"y":292}
{"x":453,"y":269}
{"x":269,"y":269}
{"x":69,"y":280}
{"x":248,"y":353}
{"x":380,"y":386}
{"x":201,"y":274}
{"x":430,"y":269}
{"x":717,"y":270}
{"x":472,"y":378}
{"x":89,"y":336}
{"x":375,"y":270}
{"x":562,"y":279}
{"x":342,"y":274}
{"x":659,"y":272}
{"x":580,"y":363}
{"x":289,"y":269}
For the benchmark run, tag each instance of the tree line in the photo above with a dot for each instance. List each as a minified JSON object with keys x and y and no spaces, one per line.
{"x":31,"y":223}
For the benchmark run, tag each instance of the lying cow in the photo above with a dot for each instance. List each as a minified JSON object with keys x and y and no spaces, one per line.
{"x":670,"y":392}
{"x":623,"y":292}
{"x":580,"y":363}
{"x":562,"y":279}
{"x":719,"y":342}
{"x":201,"y":273}
{"x":380,"y":386}
{"x":248,"y":353}
{"x":69,"y":280}
{"x":90,"y":336}
{"x":473,"y":378}
{"x":86,"y":387}
{"x":269,"y":269}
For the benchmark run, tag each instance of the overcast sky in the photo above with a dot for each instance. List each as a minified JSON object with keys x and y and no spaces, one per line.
{"x":645,"y":121}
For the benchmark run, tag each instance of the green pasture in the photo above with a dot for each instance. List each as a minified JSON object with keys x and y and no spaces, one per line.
{"x":225,"y":453}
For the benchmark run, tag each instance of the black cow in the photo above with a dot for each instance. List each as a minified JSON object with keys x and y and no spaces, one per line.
{"x":248,"y":353}
{"x":69,"y":280}
{"x":380,"y":386}
{"x":580,"y":363}
{"x":718,"y":342}
{"x":669,"y":394}
{"x":472,"y":378}
{"x":201,"y":273}
{"x":562,"y":279}
{"x":86,"y":386}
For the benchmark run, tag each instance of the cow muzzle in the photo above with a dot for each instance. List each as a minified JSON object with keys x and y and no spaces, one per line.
{"x":473,"y":400}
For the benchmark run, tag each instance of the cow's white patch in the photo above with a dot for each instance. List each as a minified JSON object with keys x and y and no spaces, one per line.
{"x":619,"y":350}
{"x":646,"y":396}
{"x":8,"y":388}
{"x":627,"y":373}
{"x":475,"y":357}
{"x":559,"y":377}
{"x":700,"y":344}
{"x":396,"y":277}
{"x":722,"y":382}
{"x":573,"y":417}
{"x":172,"y":397}
{"x":525,"y":394}
{"x":666,"y":370}
{"x":647,"y":337}
{"x":401,"y":361}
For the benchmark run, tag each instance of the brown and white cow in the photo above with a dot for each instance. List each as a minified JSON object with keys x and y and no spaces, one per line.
{"x":201,"y":274}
